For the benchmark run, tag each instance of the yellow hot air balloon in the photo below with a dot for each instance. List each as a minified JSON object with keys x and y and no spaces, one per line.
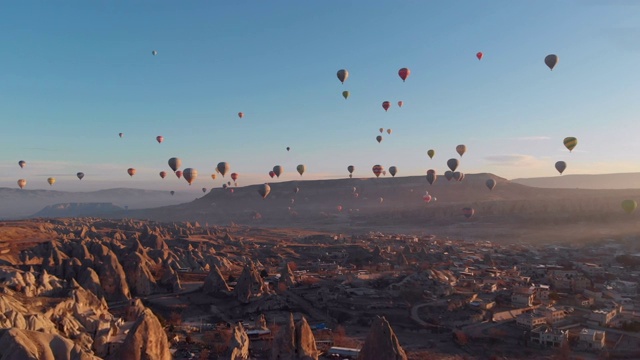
{"x":570,"y":143}
{"x":301,"y":169}
{"x":345,"y":94}
{"x":431,"y":153}
{"x":51,"y":180}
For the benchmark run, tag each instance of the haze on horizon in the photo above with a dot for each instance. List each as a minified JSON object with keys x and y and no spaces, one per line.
{"x":77,"y":74}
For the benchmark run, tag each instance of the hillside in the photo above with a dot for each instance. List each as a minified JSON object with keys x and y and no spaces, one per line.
{"x":585,"y":181}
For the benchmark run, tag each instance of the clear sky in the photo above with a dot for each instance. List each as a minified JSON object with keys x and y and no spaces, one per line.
{"x":74,"y":74}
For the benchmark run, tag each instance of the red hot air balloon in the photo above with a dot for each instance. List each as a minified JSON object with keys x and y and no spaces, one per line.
{"x":427,"y":198}
{"x":386,"y":105}
{"x":159,"y":139}
{"x":272,"y":174}
{"x":479,"y":55}
{"x":131,"y":171}
{"x":179,"y":174}
{"x":377,"y":170}
{"x":468,"y":212}
{"x":234,"y":176}
{"x":404,"y":73}
{"x":400,"y":103}
{"x":339,"y":208}
{"x":163,"y":174}
{"x":240,"y":115}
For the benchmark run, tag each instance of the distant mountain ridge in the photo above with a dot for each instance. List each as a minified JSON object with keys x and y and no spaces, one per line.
{"x":77,"y":210}
{"x":585,"y":181}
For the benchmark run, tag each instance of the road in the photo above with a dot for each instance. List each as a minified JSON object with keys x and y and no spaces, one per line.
{"x":415,"y":313}
{"x":309,"y":308}
{"x":187,"y":288}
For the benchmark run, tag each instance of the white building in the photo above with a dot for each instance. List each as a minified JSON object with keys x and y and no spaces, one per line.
{"x":592,"y":339}
{"x":548,"y":337}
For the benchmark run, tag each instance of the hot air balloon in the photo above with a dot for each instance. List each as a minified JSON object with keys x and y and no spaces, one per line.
{"x":339,"y":208}
{"x":479,"y":55}
{"x":355,"y":189}
{"x":461,"y":149}
{"x":22,"y":163}
{"x":343,"y":75}
{"x":159,"y":139}
{"x":272,"y":174}
{"x":389,"y":131}
{"x":400,"y":103}
{"x":131,"y":171}
{"x":178,"y":174}
{"x":120,"y":134}
{"x":163,"y":174}
{"x":224,"y":186}
{"x":223,"y":168}
{"x":386,"y":105}
{"x":288,"y":148}
{"x":204,"y":190}
{"x":296,"y":190}
{"x":453,"y":164}
{"x":393,"y":170}
{"x":551,"y":61}
{"x":381,"y":130}
{"x":301,"y":169}
{"x":379,"y":138}
{"x":629,"y":206}
{"x":570,"y":143}
{"x":22,"y":183}
{"x":350,"y":169}
{"x":431,"y":176}
{"x":404,"y":73}
{"x":458,"y":176}
{"x":234,"y":176}
{"x":356,"y":195}
{"x":214,"y":176}
{"x":468,"y":212}
{"x":175,"y":163}
{"x":377,"y":170}
{"x":154,"y":53}
{"x":278,"y":170}
{"x":431,"y":153}
{"x":240,"y":115}
{"x":80,"y":175}
{"x":491,"y":183}
{"x":426,"y":198}
{"x":384,"y":173}
{"x":345,"y":94}
{"x":448,"y":175}
{"x":190,"y":175}
{"x":381,"y":200}
{"x":264,"y":190}
{"x":229,"y":183}
{"x":172,"y":192}
{"x":561,"y":166}
{"x":51,"y":180}
{"x":350,"y":176}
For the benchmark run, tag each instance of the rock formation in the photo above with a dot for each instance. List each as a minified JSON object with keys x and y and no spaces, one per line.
{"x":294,"y":342}
{"x":250,"y":284}
{"x":381,"y":343}
{"x":214,"y":283}
{"x":145,"y":340}
{"x":305,"y":341}
{"x":33,"y":345}
{"x":239,"y":345}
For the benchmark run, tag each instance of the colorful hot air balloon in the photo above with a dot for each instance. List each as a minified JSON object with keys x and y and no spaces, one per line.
{"x":551,"y":61}
{"x":458,"y":176}
{"x":296,"y":190}
{"x":278,"y":170}
{"x":22,"y":163}
{"x":240,"y":115}
{"x":479,"y":55}
{"x":629,"y":206}
{"x":426,"y":198}
{"x":453,"y":164}
{"x":400,"y":103}
{"x":377,"y":170}
{"x":448,"y":175}
{"x":570,"y":143}
{"x":214,"y":176}
{"x":343,"y":75}
{"x":379,"y":138}
{"x":154,"y":53}
{"x":386,"y":105}
{"x":120,"y":134}
{"x":301,"y":169}
{"x":350,"y":169}
{"x":190,"y":175}
{"x":345,"y":94}
{"x":175,"y":163}
{"x":431,"y":153}
{"x":131,"y":171}
{"x":22,"y":183}
{"x":461,"y":149}
{"x":264,"y":190}
{"x":80,"y":175}
{"x":491,"y":183}
{"x":178,"y":174}
{"x":223,"y":168}
{"x":234,"y":176}
{"x":393,"y":170}
{"x":272,"y":174}
{"x":468,"y":212}
{"x":561,"y":166}
{"x":404,"y":73}
{"x":159,"y":139}
{"x":51,"y":181}
{"x":431,"y":176}
{"x":204,"y":190}
{"x":339,"y":208}
{"x":163,"y":174}
{"x":389,"y":131}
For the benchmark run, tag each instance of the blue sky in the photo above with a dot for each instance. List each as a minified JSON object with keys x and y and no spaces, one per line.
{"x":76,"y":73}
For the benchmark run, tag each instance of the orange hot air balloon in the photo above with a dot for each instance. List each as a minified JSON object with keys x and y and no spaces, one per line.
{"x":179,"y":174}
{"x":386,"y":105}
{"x":163,"y":174}
{"x":400,"y":103}
{"x":159,"y":139}
{"x":479,"y":55}
{"x":240,"y":115}
{"x":22,"y":183}
{"x":131,"y":171}
{"x":214,"y":176}
{"x":234,"y":176}
{"x":404,"y":73}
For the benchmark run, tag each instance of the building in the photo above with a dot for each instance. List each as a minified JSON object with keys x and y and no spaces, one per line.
{"x":552,"y":314}
{"x":591,"y":339}
{"x":546,"y":336}
{"x":603,"y":317}
{"x":530,"y":320}
{"x":343,"y":352}
{"x":522,"y":297}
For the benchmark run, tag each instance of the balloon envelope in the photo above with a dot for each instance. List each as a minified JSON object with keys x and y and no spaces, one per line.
{"x":172,"y":192}
{"x":264,"y":190}
{"x":377,"y":170}
{"x":278,"y":170}
{"x":468,"y":212}
{"x":448,"y":175}
{"x":163,"y":174}
{"x":301,"y":169}
{"x":551,"y":61}
{"x":345,"y":94}
{"x":386,"y":105}
{"x":431,"y":153}
{"x":561,"y":166}
{"x":190,"y":175}
{"x":214,"y":176}
{"x":234,"y":176}
{"x":159,"y":139}
{"x":343,"y":75}
{"x":178,"y":174}
{"x":51,"y":180}
{"x":404,"y":73}
{"x":350,"y":169}
{"x":379,"y":138}
{"x":491,"y":183}
{"x":175,"y":163}
{"x":223,"y":168}
{"x":629,"y":206}
{"x":154,"y":53}
{"x":240,"y":115}
{"x":131,"y":171}
{"x":22,"y":163}
{"x":204,"y":190}
{"x":120,"y":134}
{"x":272,"y":174}
{"x":453,"y":164}
{"x":479,"y":55}
{"x":461,"y":149}
{"x":431,"y":176}
{"x":389,"y":131}
{"x":22,"y":183}
{"x":80,"y":175}
{"x":400,"y":103}
{"x":570,"y":143}
{"x":393,"y":170}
